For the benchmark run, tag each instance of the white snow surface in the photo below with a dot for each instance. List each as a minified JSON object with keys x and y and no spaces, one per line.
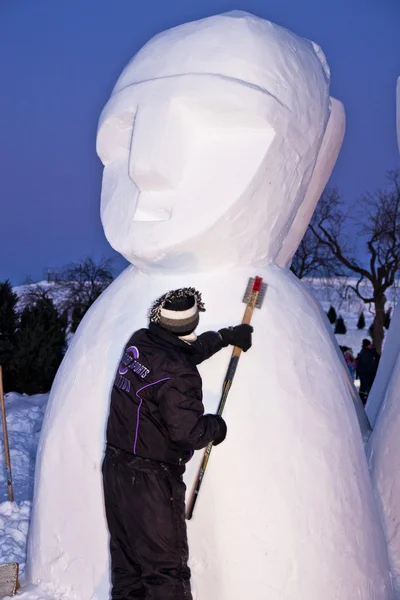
{"x":25,"y":413}
{"x":384,"y":444}
{"x":387,"y":366}
{"x":210,"y":143}
{"x":24,"y":421}
{"x":14,"y":524}
{"x":326,"y":160}
{"x":289,"y":487}
{"x":384,"y":456}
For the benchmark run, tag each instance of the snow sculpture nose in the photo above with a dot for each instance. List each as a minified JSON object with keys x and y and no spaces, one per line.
{"x":157,"y":147}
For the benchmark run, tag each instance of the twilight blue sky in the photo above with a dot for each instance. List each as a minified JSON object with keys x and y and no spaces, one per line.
{"x":60,"y":60}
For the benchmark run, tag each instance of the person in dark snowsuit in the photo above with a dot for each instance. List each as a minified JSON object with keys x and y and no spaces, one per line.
{"x":367,"y":365}
{"x":156,"y":422}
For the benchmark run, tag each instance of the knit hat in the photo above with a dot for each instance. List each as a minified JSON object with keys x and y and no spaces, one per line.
{"x":178,"y":311}
{"x":366,"y":343}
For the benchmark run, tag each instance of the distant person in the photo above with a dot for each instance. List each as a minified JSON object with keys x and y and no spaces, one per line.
{"x":350,"y":360}
{"x":367,"y":365}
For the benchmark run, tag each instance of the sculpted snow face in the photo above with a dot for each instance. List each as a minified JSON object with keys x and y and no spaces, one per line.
{"x":211,"y":135}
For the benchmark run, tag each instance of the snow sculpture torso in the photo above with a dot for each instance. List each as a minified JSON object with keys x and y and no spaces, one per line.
{"x":210,"y":143}
{"x":384,"y":445}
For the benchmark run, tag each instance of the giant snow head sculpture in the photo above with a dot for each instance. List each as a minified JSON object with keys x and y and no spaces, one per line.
{"x":209,"y":142}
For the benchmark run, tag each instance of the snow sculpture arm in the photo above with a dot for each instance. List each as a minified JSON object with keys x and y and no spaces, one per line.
{"x":181,"y":406}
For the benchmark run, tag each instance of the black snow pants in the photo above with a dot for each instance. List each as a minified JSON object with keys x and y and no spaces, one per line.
{"x":145,"y":510}
{"x":365,"y":388}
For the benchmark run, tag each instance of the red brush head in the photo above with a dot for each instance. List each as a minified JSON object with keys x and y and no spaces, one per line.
{"x":257,"y":284}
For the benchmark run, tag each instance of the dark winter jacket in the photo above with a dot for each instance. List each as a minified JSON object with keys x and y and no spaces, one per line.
{"x":156,"y":408}
{"x":367,"y":365}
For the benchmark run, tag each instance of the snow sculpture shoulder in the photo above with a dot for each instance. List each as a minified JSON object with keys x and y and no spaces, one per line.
{"x":216,"y":143}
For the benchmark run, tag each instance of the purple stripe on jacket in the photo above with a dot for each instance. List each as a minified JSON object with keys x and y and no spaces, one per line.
{"x":140,"y":406}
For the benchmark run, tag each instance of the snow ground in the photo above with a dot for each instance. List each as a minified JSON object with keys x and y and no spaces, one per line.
{"x":24,"y":421}
{"x":349,"y":306}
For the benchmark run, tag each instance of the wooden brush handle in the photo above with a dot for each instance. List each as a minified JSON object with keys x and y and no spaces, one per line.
{"x":5,"y":437}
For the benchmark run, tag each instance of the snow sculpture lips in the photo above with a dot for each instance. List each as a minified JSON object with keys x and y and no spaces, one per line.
{"x":205,"y":138}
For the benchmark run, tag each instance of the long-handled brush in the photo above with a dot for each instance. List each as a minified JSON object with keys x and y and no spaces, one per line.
{"x":253,"y":297}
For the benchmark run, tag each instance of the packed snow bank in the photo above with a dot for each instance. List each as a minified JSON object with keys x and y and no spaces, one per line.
{"x":384,"y":457}
{"x":31,"y":592}
{"x":14,"y":523}
{"x":24,"y":422}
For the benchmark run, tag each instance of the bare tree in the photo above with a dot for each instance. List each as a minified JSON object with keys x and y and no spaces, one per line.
{"x":379,"y":227}
{"x":313,"y":259}
{"x":73,"y":294}
{"x":32,"y":292}
{"x":81,"y":284}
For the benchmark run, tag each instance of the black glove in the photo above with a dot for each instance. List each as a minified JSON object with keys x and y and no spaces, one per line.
{"x":237,"y":336}
{"x":222,"y":431}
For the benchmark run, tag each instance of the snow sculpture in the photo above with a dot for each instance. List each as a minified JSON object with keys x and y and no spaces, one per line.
{"x":383,"y":446}
{"x":209,"y":143}
{"x":392,"y":342}
{"x":387,"y":363}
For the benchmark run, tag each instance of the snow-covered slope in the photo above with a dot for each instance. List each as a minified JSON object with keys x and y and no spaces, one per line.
{"x":24,"y":421}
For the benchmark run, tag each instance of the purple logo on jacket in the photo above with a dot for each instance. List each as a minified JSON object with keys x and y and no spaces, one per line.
{"x":131,"y":353}
{"x":130,"y":362}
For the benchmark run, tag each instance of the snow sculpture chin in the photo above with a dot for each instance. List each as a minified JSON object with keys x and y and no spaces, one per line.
{"x":216,"y":142}
{"x":384,"y":444}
